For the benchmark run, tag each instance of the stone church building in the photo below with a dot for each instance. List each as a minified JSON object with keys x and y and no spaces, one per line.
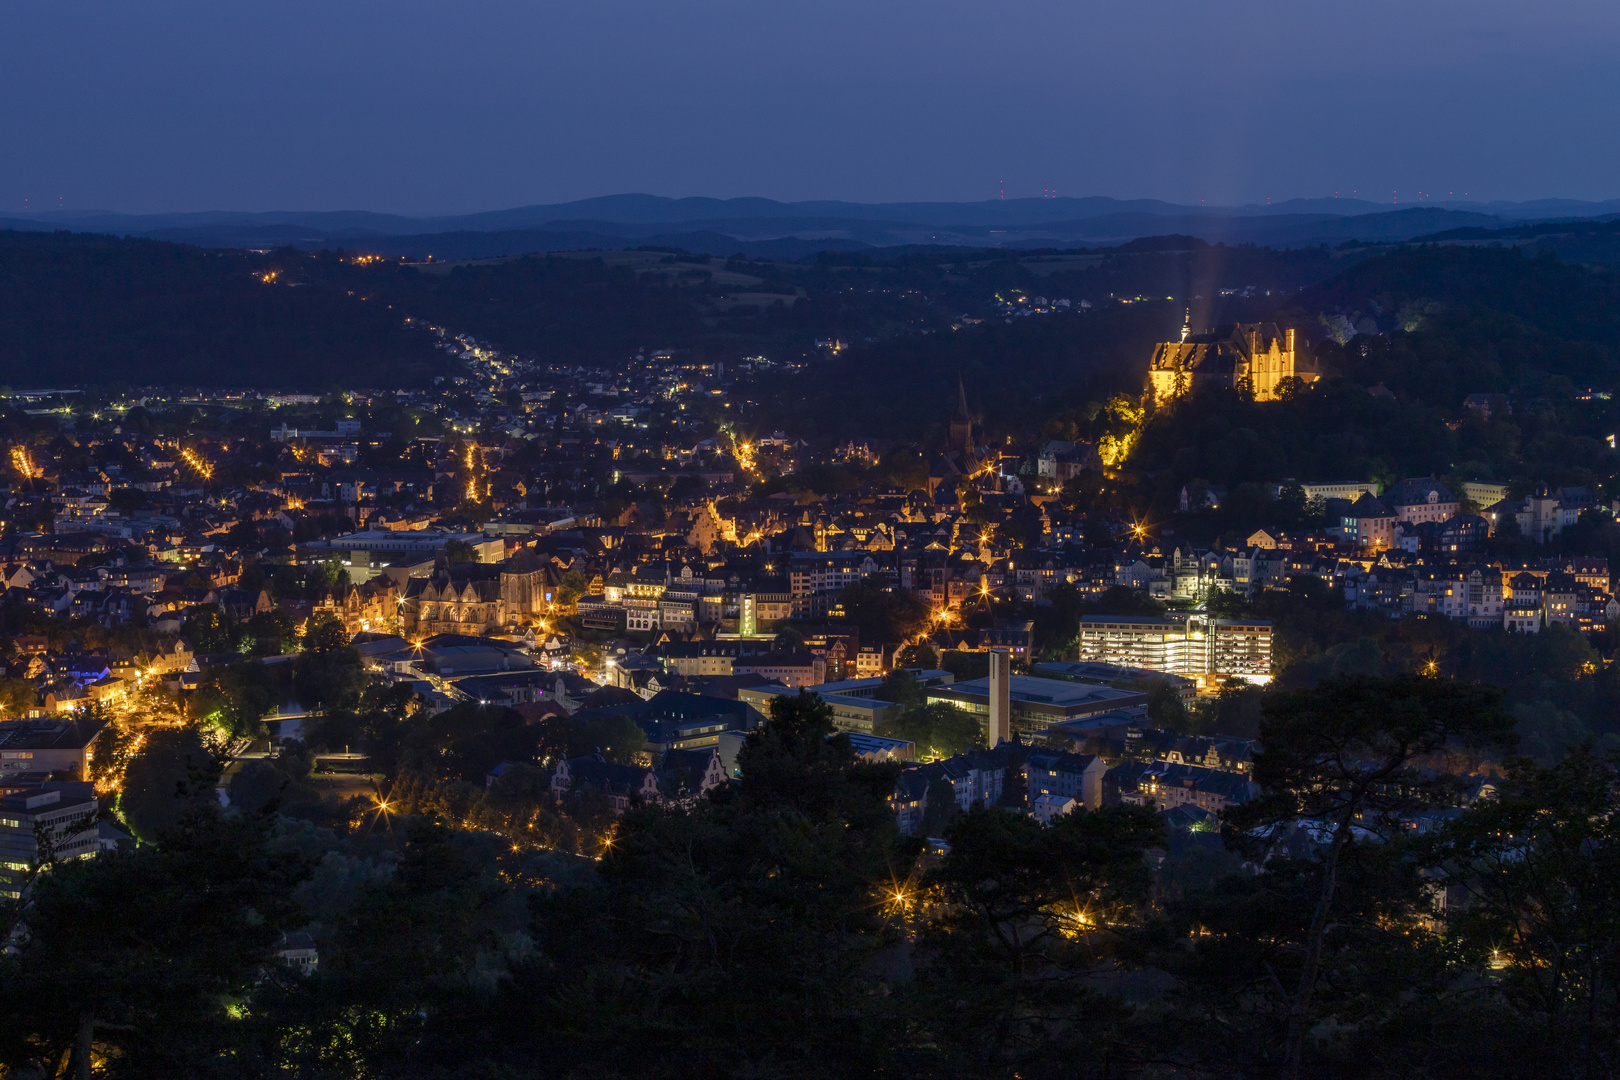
{"x":478,"y":598}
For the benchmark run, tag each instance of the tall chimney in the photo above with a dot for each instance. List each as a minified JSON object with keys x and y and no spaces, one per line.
{"x":1000,"y":727}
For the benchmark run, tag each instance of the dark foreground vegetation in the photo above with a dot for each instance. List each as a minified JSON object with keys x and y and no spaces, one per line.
{"x":1366,"y":917}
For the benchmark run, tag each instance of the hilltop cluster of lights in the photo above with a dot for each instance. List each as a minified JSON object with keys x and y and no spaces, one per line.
{"x":1020,"y":305}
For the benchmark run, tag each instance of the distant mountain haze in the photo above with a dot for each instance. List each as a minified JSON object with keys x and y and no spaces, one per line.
{"x":760,"y":227}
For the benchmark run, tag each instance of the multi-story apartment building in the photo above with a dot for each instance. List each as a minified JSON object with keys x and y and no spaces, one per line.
{"x":1474,"y":594}
{"x":62,"y":815}
{"x":1201,"y":648}
{"x":816,"y":578}
{"x":1421,"y":499}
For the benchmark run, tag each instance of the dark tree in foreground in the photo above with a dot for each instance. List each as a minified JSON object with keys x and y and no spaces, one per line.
{"x":1358,"y":755}
{"x":175,"y":769}
{"x":1028,"y":916}
{"x":134,"y":958}
{"x":1535,"y":879}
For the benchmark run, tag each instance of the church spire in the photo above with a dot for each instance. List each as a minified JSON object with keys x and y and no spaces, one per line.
{"x":962,"y":422}
{"x":1186,"y":325}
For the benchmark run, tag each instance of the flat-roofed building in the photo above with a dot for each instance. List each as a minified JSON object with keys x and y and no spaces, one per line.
{"x":795,"y":667}
{"x":1483,"y":494}
{"x":63,"y":814}
{"x":1198,"y":647}
{"x":1240,"y":648}
{"x":857,"y":704}
{"x":1118,"y":675}
{"x":1340,"y":489}
{"x":55,"y":744}
{"x":877,"y":748}
{"x":367,"y":553}
{"x":1035,"y":704}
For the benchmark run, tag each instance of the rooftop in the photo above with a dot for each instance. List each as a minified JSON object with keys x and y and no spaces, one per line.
{"x":1056,"y":692}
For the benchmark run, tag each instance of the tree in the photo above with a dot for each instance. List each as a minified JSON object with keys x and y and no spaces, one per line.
{"x":17,"y":696}
{"x":884,"y":616}
{"x":940,"y":807}
{"x":272,"y":632}
{"x":1538,"y":872}
{"x":110,"y":755}
{"x":268,"y":784}
{"x":1164,"y":706}
{"x":135,"y":957}
{"x":459,"y":551}
{"x":1026,"y":912}
{"x":801,"y":762}
{"x":919,"y":654}
{"x":329,"y":672}
{"x":466,"y":741}
{"x":939,"y":729}
{"x":904,"y":467}
{"x":903,"y":688}
{"x":617,"y":736}
{"x":236,"y":698}
{"x":1291,"y":502}
{"x":209,"y":630}
{"x":574,"y":585}
{"x":1351,"y":755}
{"x":127,"y":501}
{"x":774,"y":901}
{"x":175,"y":770}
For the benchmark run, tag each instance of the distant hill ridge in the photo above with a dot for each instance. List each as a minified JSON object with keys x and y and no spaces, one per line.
{"x":725,"y":226}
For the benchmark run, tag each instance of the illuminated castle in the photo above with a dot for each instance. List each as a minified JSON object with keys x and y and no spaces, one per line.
{"x":1254,"y":356}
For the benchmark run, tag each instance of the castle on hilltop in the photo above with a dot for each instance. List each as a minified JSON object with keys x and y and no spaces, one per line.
{"x":1253,"y":356}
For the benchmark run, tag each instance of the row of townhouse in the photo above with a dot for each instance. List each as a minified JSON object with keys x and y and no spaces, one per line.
{"x":1166,"y":785}
{"x":680,"y":778}
{"x":1191,"y":574}
{"x":1057,"y":782}
{"x":1521,"y":600}
{"x":977,"y":777}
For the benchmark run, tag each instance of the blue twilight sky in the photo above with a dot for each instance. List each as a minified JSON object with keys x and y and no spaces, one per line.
{"x":442,"y":107}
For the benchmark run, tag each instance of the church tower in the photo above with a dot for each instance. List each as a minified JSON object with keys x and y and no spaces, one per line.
{"x":962,"y":422}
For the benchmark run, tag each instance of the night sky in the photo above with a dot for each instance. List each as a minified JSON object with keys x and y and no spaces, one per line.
{"x":435,"y":107}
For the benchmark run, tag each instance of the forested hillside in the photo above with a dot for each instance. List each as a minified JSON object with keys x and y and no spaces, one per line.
{"x":81,"y":308}
{"x":90,"y":308}
{"x":1430,"y":326}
